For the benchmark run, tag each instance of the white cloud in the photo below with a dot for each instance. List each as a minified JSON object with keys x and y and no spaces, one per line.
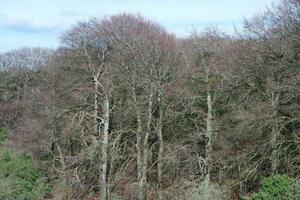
{"x":51,"y":17}
{"x":29,"y":24}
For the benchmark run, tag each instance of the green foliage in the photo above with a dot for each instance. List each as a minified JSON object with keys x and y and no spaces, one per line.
{"x":278,"y":187}
{"x":19,"y":179}
{"x":3,"y":134}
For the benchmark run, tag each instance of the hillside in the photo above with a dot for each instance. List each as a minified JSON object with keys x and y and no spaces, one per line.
{"x":123,"y":109}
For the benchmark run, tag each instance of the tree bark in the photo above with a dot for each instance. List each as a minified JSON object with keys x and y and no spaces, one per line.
{"x":62,"y":194}
{"x":274,"y":134}
{"x":104,"y":148}
{"x":138,"y":137}
{"x":96,"y":106}
{"x":139,"y":145}
{"x":161,"y":149}
{"x":143,"y":180}
{"x":209,"y":134}
{"x":275,"y":128}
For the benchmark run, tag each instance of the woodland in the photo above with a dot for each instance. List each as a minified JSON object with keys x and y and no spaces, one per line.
{"x":125,"y":110}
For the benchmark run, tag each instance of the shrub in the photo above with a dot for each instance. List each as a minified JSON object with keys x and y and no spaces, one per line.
{"x":19,"y":179}
{"x":278,"y":187}
{"x":3,"y":133}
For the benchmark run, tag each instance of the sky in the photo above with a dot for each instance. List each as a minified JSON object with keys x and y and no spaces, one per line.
{"x":34,"y":23}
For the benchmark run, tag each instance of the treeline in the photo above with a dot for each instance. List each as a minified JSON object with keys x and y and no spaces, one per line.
{"x":125,"y":110}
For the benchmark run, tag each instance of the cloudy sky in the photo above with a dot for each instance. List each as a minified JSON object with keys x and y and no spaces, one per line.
{"x":40,"y":22}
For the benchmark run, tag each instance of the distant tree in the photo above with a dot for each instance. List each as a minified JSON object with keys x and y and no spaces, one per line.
{"x":87,"y":40}
{"x":144,"y":50}
{"x":208,"y":77}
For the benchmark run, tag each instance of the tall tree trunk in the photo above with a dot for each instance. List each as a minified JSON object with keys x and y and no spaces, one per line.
{"x":208,"y":147}
{"x":96,"y":106}
{"x":25,"y":85}
{"x":139,"y":145}
{"x":139,"y":137}
{"x":275,"y":128}
{"x":143,"y":180}
{"x":104,"y":148}
{"x":161,"y":148}
{"x":62,"y":194}
{"x":274,"y":134}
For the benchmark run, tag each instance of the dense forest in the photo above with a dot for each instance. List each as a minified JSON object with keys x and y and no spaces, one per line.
{"x":124,"y":109}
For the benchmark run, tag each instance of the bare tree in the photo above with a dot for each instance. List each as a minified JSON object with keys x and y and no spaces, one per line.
{"x":94,"y":49}
{"x":209,"y":72}
{"x":264,"y":32}
{"x":139,"y":43}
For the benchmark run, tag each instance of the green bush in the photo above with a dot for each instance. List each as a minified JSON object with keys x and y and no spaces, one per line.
{"x":3,"y":133}
{"x":19,"y":179}
{"x":278,"y":187}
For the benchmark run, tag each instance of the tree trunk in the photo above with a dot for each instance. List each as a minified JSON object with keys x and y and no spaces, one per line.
{"x":25,"y":86}
{"x":63,"y":188}
{"x":143,"y":180}
{"x":96,"y":106}
{"x":139,"y":154}
{"x":208,"y":147}
{"x":104,"y":148}
{"x":161,"y":149}
{"x":138,"y":137}
{"x":139,"y":147}
{"x":275,"y":128}
{"x":274,"y":134}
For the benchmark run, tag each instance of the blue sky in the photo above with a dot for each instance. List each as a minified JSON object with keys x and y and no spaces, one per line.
{"x":40,"y":22}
